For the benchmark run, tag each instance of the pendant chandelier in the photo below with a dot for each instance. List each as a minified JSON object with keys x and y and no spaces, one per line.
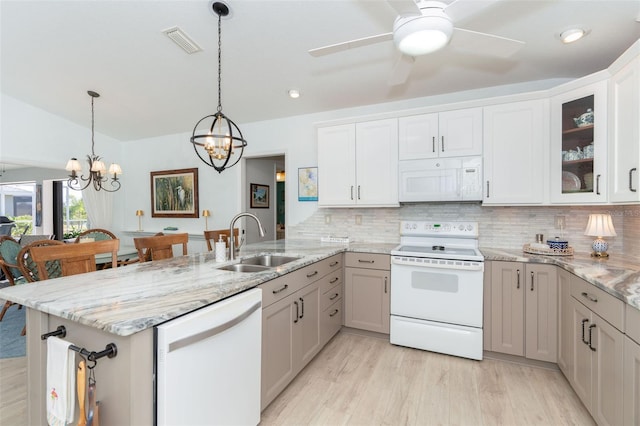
{"x":97,"y":171}
{"x":216,"y":139}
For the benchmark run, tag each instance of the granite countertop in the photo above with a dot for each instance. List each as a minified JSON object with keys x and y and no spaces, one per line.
{"x":129,"y":299}
{"x":618,"y":275}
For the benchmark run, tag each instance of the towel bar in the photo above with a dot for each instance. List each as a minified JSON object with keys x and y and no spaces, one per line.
{"x":110,"y":351}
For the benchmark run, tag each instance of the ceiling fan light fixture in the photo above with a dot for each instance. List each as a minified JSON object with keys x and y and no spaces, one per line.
{"x":420,"y":35}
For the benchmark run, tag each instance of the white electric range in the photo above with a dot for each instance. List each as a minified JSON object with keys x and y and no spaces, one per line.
{"x":436,"y":293}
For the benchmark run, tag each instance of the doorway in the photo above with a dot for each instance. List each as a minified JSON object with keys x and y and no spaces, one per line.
{"x":266,"y":171}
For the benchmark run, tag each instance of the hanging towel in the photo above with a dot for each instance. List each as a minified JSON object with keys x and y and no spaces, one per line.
{"x":61,"y":382}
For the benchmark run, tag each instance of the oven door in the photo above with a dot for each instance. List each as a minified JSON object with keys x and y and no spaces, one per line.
{"x":437,"y":292}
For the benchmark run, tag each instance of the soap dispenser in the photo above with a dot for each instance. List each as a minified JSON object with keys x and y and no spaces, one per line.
{"x":221,"y":250}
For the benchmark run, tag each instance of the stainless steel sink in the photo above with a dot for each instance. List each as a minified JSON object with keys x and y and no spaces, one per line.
{"x":268,"y":260}
{"x":243,"y":267}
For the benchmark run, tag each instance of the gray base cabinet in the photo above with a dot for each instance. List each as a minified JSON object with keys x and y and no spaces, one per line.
{"x":631,"y":380}
{"x":597,"y":373}
{"x":524,"y":301}
{"x":367,"y":291}
{"x":565,"y":327}
{"x":294,"y":328}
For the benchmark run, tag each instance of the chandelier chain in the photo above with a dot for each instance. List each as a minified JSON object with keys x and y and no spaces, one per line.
{"x":92,"y":127}
{"x":219,"y":62}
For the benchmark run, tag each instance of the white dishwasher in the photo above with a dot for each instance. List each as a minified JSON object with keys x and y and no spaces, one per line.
{"x":207,"y":364}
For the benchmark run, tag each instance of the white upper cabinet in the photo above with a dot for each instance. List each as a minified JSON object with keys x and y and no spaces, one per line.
{"x":515,"y":144}
{"x":454,"y":133}
{"x":624,"y":133}
{"x":358,"y":164}
{"x":579,"y":145}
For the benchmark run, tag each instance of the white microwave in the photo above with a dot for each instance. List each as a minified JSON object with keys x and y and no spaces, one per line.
{"x":441,"y":179}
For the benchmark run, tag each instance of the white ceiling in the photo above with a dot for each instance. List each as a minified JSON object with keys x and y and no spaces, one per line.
{"x":53,"y":51}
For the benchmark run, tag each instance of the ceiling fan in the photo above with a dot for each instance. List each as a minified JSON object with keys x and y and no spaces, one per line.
{"x":425,"y":26}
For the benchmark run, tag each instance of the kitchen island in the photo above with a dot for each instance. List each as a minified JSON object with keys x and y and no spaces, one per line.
{"x":123,"y":305}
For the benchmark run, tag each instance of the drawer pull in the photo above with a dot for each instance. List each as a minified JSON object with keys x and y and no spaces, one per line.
{"x":295,"y":302}
{"x":366,"y":261}
{"x":385,"y":284}
{"x":334,"y":280}
{"x":334,"y":264}
{"x":631,"y":188}
{"x":281,"y":289}
{"x":302,"y":308}
{"x":590,"y":297}
{"x":312,"y":274}
{"x":334,"y":296}
{"x":332,"y":314}
{"x":591,"y":327}
{"x":518,"y":274}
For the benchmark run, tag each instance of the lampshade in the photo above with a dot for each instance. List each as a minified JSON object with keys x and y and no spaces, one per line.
{"x":419,"y":35}
{"x":139,"y":213}
{"x":600,"y":225}
{"x":206,"y":213}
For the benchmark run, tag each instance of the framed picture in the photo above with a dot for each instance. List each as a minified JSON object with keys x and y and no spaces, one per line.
{"x":174,"y":193}
{"x":259,"y":196}
{"x":308,"y":184}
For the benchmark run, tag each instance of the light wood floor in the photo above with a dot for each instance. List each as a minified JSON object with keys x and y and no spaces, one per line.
{"x":364,"y":380}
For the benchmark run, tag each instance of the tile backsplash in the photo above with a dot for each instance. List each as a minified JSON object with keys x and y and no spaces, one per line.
{"x":500,"y":227}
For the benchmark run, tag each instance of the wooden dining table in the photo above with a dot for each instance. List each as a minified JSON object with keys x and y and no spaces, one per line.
{"x":124,"y":253}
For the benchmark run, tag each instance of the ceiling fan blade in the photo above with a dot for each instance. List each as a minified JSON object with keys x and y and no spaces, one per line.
{"x":401,"y":70}
{"x":404,"y":7}
{"x":461,"y":9}
{"x":339,"y":47}
{"x":484,"y":44}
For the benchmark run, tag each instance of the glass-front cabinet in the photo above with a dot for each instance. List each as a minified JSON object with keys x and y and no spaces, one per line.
{"x":579,"y":145}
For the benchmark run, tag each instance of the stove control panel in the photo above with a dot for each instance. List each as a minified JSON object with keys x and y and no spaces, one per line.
{"x":430,"y":228}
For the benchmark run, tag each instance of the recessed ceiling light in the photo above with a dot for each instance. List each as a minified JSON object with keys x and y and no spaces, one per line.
{"x":294,"y":94}
{"x":571,"y":35}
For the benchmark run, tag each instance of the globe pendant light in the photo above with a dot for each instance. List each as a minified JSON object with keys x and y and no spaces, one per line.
{"x":97,"y":171}
{"x":216,"y":139}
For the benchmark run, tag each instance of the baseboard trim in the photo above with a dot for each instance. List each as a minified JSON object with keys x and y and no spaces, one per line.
{"x":520,"y":360}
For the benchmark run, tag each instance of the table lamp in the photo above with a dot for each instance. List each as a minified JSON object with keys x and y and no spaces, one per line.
{"x":206,"y":214}
{"x":600,"y":225}
{"x":139,"y":213}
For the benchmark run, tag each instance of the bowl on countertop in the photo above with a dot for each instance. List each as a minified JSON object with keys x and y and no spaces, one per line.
{"x":558,"y":244}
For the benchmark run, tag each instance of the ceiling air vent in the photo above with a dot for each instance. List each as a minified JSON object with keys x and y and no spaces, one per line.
{"x":183,"y":40}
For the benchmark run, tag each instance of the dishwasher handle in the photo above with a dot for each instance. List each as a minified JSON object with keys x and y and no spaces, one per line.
{"x":189,"y":340}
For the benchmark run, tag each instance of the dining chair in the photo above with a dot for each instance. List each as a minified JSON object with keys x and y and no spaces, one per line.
{"x":28,"y":267}
{"x":99,"y":234}
{"x":9,"y":250}
{"x":159,"y":246}
{"x":211,"y":237}
{"x":28,"y":239}
{"x":74,"y":258}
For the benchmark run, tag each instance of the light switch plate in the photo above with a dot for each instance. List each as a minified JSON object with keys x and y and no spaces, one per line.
{"x":560,"y":222}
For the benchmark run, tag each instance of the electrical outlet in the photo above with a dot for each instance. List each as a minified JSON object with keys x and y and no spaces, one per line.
{"x":560,"y":222}
{"x":327,"y":219}
{"x":358,"y":219}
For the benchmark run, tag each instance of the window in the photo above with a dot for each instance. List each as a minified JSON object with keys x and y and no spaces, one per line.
{"x":74,"y":215}
{"x":17,"y":202}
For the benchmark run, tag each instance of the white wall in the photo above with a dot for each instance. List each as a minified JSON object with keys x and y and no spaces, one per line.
{"x":295,"y":137}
